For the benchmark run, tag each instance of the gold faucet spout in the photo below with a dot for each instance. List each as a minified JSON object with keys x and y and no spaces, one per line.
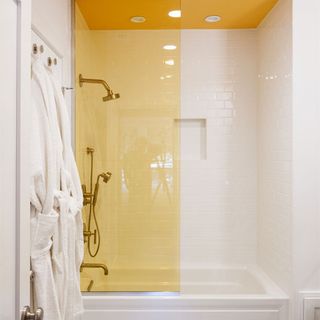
{"x":95,"y":265}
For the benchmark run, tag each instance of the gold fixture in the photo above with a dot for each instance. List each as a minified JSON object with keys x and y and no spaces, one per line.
{"x":88,"y":233}
{"x":87,"y":196}
{"x":110,"y":96}
{"x":106,"y":176}
{"x":95,"y":265}
{"x":90,"y":198}
{"x":90,"y":285}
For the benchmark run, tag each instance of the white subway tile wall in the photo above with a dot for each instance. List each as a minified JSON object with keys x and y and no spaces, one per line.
{"x":219,"y":194}
{"x":275,"y":144}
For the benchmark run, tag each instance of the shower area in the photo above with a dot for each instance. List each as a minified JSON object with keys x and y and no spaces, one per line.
{"x":182,"y":139}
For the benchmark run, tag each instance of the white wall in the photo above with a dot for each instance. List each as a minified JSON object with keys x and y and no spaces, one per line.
{"x":53,"y":18}
{"x":289,"y":148}
{"x":275,"y":144}
{"x":306,"y":135}
{"x":218,"y":193}
{"x":8,"y":102}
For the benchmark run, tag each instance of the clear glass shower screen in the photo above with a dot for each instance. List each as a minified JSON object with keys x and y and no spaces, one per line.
{"x":134,"y":137}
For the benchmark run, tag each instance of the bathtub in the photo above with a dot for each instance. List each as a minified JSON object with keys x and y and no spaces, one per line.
{"x":206,"y":294}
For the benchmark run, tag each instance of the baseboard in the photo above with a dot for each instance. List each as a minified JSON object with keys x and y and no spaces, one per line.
{"x":309,"y":305}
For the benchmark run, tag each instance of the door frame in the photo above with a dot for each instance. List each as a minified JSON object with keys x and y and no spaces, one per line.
{"x":23,"y":119}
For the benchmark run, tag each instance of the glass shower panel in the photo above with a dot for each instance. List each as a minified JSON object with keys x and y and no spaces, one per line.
{"x":132,"y":144}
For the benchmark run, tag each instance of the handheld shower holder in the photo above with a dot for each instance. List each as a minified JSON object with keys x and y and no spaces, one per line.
{"x":87,"y":234}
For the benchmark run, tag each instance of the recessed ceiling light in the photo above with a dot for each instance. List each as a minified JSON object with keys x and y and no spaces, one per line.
{"x":169,"y":47}
{"x":169,"y":62}
{"x":175,"y":14}
{"x":212,"y":19}
{"x":138,"y":19}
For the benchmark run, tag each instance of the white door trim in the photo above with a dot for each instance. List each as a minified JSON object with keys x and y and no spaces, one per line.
{"x":22,"y":156}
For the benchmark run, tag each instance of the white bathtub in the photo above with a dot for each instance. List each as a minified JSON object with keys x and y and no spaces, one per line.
{"x":207,"y":294}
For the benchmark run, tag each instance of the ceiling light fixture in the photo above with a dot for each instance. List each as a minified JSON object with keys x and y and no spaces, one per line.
{"x":212,"y":19}
{"x":169,"y":47}
{"x":175,"y":14}
{"x":138,"y":19}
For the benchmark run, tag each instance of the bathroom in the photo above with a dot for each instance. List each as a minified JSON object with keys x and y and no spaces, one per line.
{"x":195,"y":133}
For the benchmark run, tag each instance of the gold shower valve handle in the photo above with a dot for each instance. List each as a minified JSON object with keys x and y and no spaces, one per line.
{"x":87,"y":234}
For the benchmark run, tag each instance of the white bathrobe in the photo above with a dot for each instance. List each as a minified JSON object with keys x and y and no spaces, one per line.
{"x":58,"y":289}
{"x":44,"y":216}
{"x":71,"y":188}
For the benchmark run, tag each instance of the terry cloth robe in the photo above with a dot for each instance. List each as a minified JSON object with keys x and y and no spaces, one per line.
{"x":72,"y":193}
{"x":60,"y":246}
{"x":67,"y":239}
{"x":44,"y":216}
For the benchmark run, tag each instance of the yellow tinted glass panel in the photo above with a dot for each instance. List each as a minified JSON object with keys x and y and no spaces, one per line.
{"x":135,"y":138}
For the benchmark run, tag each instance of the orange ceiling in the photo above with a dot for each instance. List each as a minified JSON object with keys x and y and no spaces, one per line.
{"x":116,"y":14}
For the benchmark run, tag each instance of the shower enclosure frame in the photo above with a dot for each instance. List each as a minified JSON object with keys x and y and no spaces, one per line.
{"x":15,"y":272}
{"x":99,"y":303}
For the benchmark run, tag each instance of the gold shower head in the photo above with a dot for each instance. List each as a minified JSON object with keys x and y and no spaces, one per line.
{"x":111,"y":96}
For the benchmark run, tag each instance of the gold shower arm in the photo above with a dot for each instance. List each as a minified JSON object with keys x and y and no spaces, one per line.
{"x":110,"y":96}
{"x":100,"y":81}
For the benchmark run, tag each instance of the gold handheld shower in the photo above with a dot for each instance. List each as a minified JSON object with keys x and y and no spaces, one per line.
{"x":90,"y":198}
{"x":106,"y":176}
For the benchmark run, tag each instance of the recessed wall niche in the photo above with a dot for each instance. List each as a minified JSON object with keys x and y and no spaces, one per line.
{"x":193,"y":138}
